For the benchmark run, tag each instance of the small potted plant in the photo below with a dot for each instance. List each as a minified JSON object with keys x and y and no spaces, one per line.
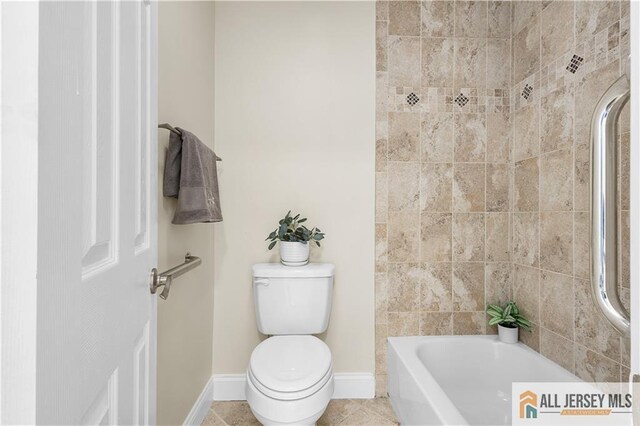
{"x":294,"y":240}
{"x":509,"y":320}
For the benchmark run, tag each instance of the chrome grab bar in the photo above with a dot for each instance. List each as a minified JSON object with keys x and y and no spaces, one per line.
{"x":604,"y":208}
{"x":166,"y":278}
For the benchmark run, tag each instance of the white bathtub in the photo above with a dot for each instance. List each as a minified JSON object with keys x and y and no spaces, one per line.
{"x":461,"y":380}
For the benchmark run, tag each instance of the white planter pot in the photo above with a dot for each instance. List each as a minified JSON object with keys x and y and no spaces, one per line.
{"x":508,"y":335}
{"x":294,"y":254}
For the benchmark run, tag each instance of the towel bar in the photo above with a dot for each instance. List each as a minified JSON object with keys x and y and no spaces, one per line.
{"x":165,"y":278}
{"x":172,"y":129}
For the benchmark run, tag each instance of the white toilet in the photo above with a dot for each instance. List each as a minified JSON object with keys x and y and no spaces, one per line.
{"x":290,"y":375}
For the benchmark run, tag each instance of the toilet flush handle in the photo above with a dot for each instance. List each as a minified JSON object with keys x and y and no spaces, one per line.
{"x":263,"y":281}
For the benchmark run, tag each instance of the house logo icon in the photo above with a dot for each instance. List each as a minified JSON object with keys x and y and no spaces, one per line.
{"x":528,"y":405}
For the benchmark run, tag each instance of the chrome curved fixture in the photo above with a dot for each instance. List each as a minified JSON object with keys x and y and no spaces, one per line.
{"x":604,"y":208}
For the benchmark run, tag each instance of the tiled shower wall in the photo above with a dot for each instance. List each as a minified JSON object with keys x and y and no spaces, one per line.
{"x":482,"y":171}
{"x":565,"y":55}
{"x":442,"y":167}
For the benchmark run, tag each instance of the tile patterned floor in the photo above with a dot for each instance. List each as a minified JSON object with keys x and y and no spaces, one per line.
{"x":339,"y":412}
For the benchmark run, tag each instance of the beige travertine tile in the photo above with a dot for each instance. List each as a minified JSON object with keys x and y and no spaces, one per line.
{"x":436,"y":323}
{"x":435,"y":290}
{"x":523,"y":13}
{"x":470,"y":62}
{"x":526,"y":194}
{"x":499,"y":19}
{"x":592,"y":367}
{"x":527,"y":132}
{"x":338,"y":410}
{"x":381,"y":155}
{"x":437,"y":137}
{"x":526,"y":49}
{"x":381,"y":247}
{"x":382,"y":197}
{"x":404,"y":186}
{"x":556,"y":303}
{"x":470,"y":18}
{"x":594,"y":16}
{"x":381,"y":407}
{"x":497,"y":188}
{"x":382,"y":99}
{"x":498,"y":137}
{"x":625,"y":351}
{"x":404,"y":323}
{"x":625,"y":6}
{"x":587,"y":92}
{"x":556,"y":30}
{"x":381,"y":348}
{"x":468,"y":187}
{"x":526,"y":236}
{"x":235,"y":413}
{"x":403,"y":238}
{"x":557,"y":348}
{"x":526,"y":291}
{"x":365,"y":417}
{"x":381,"y":297}
{"x":557,"y":119}
{"x":532,"y":338}
{"x":465,"y":323}
{"x":497,"y":235}
{"x":404,"y":287}
{"x":625,"y":169}
{"x":404,"y":61}
{"x":498,"y":67}
{"x":468,"y":237}
{"x":556,"y":241}
{"x":212,"y":419}
{"x":470,"y":137}
{"x":468,"y":286}
{"x":590,"y":330}
{"x":404,"y":136}
{"x":381,"y":385}
{"x":581,"y":178}
{"x":436,"y":183}
{"x":437,"y":18}
{"x":556,"y":180}
{"x":381,"y":45}
{"x":437,"y":62}
{"x":625,"y":248}
{"x":404,"y":18}
{"x":382,"y":10}
{"x":498,"y":283}
{"x":435,"y":231}
{"x":581,"y":244}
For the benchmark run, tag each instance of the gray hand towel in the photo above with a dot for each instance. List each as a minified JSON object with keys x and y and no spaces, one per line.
{"x":190,"y":175}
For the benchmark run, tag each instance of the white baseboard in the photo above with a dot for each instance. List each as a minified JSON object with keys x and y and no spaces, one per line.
{"x":230,"y":387}
{"x":200,"y":408}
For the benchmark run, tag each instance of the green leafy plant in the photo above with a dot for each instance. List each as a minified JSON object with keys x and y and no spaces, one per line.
{"x":509,"y":316}
{"x":290,"y":229}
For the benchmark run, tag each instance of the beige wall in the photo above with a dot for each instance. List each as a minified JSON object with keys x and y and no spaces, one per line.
{"x":185,"y":99}
{"x":295,"y":108}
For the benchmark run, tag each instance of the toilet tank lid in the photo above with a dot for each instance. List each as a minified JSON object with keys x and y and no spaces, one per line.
{"x":278,"y":270}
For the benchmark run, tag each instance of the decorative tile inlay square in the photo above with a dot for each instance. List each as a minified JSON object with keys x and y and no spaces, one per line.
{"x":461,"y":100}
{"x":526,"y":92}
{"x":412,"y":99}
{"x":575,"y":62}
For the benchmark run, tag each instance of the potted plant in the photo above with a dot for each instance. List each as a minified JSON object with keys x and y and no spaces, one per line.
{"x":509,"y":320}
{"x":294,"y":239}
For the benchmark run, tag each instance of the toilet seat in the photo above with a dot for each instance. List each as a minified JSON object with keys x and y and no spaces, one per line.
{"x":290,"y":367}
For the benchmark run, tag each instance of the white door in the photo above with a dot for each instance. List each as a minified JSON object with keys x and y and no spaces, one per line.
{"x":97,"y":224}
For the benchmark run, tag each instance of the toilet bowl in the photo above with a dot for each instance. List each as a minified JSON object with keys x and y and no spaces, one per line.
{"x":289,"y":380}
{"x":290,"y":374}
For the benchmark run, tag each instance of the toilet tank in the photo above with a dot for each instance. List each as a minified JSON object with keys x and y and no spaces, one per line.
{"x":292,"y":299}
